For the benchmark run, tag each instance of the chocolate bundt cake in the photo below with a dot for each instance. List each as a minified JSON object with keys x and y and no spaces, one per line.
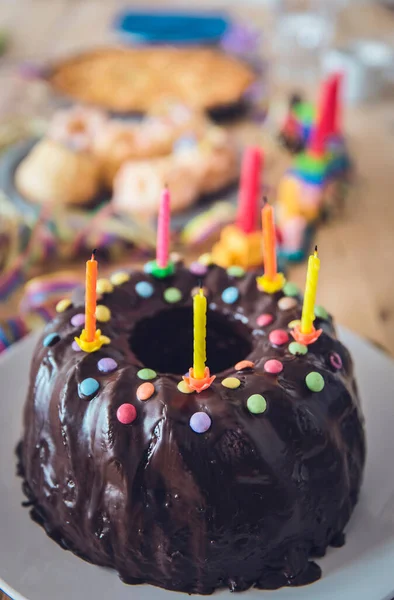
{"x":239,"y":485}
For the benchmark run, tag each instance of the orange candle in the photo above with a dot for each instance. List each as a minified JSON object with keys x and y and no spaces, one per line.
{"x":90,"y":298}
{"x":269,"y":242}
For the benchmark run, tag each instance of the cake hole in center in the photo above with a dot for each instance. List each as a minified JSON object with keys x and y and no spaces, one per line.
{"x":164,"y":342}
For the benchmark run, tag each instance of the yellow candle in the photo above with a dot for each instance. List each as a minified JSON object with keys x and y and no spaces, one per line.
{"x":308,"y":308}
{"x":200,"y":333}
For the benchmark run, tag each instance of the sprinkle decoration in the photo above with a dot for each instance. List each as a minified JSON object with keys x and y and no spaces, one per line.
{"x":184,"y":388}
{"x":144,"y":289}
{"x":172,"y":295}
{"x":107,"y":365}
{"x":264,"y":320}
{"x":63,"y":305}
{"x":314,"y":381}
{"x":256,"y":404}
{"x":145,"y":391}
{"x":88,"y":387}
{"x":236,"y":271}
{"x":278,"y":337}
{"x":50,"y":340}
{"x":321,"y":313}
{"x":297,"y":349}
{"x":336,"y":361}
{"x":200,"y":422}
{"x":104,"y":286}
{"x":103,"y":314}
{"x":146,"y":374}
{"x":197,"y":268}
{"x":126,"y":414}
{"x":232,"y":383}
{"x":273,"y":367}
{"x":244,"y":364}
{"x":78,"y":320}
{"x":119,"y":278}
{"x":287,"y":303}
{"x":291,"y":289}
{"x":230,"y":295}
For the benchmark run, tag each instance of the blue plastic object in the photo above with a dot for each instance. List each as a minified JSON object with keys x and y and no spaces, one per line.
{"x":170,"y":27}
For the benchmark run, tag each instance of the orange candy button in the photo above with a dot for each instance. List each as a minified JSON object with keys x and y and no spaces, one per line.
{"x":244,"y":364}
{"x":145,"y":391}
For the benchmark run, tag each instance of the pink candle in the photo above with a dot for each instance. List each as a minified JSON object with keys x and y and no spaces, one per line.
{"x":249,"y":190}
{"x":163,"y":230}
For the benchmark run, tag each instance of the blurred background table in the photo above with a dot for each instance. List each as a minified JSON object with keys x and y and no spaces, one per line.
{"x":357,"y":250}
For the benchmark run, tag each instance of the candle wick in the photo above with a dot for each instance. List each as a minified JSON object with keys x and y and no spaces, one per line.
{"x":316,"y":250}
{"x":265,"y":201}
{"x":93,"y":257}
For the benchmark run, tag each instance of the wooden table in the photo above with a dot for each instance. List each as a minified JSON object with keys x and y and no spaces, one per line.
{"x":357,"y":250}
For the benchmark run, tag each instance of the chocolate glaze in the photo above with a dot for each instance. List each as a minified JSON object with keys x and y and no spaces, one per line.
{"x":247,"y":503}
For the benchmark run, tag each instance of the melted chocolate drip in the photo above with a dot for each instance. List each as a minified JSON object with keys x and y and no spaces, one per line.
{"x":245,"y":504}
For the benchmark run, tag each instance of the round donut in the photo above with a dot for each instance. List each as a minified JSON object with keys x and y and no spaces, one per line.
{"x":238,"y":486}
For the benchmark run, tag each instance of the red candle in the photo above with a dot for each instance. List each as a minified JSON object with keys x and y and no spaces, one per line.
{"x":249,"y":190}
{"x":323,"y":120}
{"x":163,"y":230}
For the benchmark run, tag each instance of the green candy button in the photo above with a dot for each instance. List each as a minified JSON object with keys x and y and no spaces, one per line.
{"x":172,"y":295}
{"x":256,"y":404}
{"x":321,"y":313}
{"x":296,"y":348}
{"x":236,"y":271}
{"x":146,"y":374}
{"x":290,"y":289}
{"x":314,"y":381}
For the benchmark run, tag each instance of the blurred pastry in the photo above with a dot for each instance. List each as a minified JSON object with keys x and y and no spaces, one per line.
{"x":53,"y":173}
{"x":77,"y":127}
{"x":134,"y":79}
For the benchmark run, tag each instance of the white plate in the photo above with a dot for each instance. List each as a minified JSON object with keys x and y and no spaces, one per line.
{"x":33,"y":567}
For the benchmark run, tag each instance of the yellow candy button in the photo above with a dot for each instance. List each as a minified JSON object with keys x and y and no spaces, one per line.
{"x":294,"y":323}
{"x":119,"y":278}
{"x":231,"y":382}
{"x":63,"y":305}
{"x":184,"y":388}
{"x":103,"y":314}
{"x":104,"y":286}
{"x":205,"y":259}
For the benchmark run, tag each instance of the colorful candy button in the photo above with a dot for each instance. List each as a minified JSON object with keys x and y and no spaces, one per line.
{"x":278,"y":337}
{"x":78,"y":320}
{"x":145,"y":391}
{"x":75,"y":347}
{"x":119,"y":277}
{"x":294,"y":323}
{"x":256,"y":404}
{"x":126,"y":414}
{"x":273,"y":366}
{"x":336,"y":361}
{"x":296,"y":348}
{"x":88,"y":387}
{"x":51,"y":339}
{"x":287,"y":303}
{"x":264,"y":320}
{"x":290,"y":289}
{"x":314,"y":381}
{"x":236,"y":271}
{"x":205,"y":259}
{"x":244,"y":364}
{"x":172,"y":295}
{"x":146,"y":374}
{"x":144,"y":289}
{"x":149,"y":266}
{"x":184,"y":388}
{"x":200,"y":422}
{"x":63,"y":305}
{"x":232,"y":383}
{"x":107,"y":365}
{"x":230,"y":295}
{"x":321,"y":313}
{"x":103,"y":314}
{"x":198,"y":269}
{"x":104,"y":286}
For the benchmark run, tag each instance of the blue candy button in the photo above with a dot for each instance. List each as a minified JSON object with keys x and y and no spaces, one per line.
{"x":230,"y":295}
{"x":51,"y":339}
{"x":88,"y":387}
{"x":144,"y":289}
